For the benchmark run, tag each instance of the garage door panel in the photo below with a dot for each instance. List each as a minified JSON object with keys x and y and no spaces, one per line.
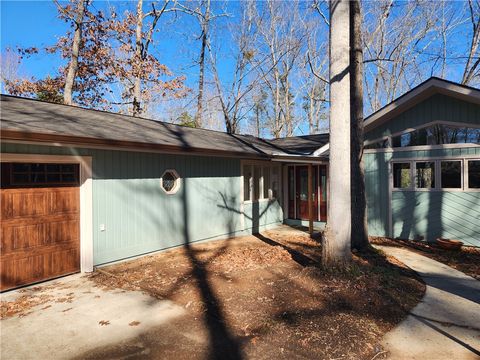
{"x":19,"y":203}
{"x":40,"y":226}
{"x":61,"y":201}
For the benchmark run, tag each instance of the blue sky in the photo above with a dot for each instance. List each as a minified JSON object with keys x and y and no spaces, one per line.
{"x":35,"y":23}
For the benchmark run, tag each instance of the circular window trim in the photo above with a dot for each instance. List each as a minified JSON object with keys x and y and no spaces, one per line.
{"x":176,"y":186}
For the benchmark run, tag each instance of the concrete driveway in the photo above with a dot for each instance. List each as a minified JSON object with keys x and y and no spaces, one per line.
{"x":446,"y":323}
{"x":73,"y":317}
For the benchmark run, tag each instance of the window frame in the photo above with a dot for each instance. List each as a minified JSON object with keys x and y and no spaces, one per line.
{"x":177,"y":184}
{"x":462,"y":181}
{"x":465,"y":175}
{"x":261,"y":185}
{"x":438,"y":178}
{"x":392,"y":180}
{"x":435,"y":175}
{"x":390,"y":137}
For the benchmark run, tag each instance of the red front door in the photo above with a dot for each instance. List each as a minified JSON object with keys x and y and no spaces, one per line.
{"x":302,"y":192}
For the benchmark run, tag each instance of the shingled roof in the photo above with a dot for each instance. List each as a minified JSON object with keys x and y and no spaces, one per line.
{"x":29,"y":119}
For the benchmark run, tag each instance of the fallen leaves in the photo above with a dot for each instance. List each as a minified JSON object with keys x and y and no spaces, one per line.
{"x":104,"y":322}
{"x":22,"y":305}
{"x":134,"y":323}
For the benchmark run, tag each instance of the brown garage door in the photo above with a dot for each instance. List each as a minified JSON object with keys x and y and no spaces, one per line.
{"x":40,"y":222}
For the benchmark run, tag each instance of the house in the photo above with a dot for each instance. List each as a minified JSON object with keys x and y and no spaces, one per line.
{"x":82,"y":188}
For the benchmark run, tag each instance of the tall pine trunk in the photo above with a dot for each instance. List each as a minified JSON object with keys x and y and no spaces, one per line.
{"x":359,"y":201}
{"x":73,"y":66}
{"x":137,"y":62}
{"x":201,"y":81}
{"x":336,"y":241}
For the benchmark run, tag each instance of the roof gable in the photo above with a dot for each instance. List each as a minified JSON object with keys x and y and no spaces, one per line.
{"x":418,"y":94}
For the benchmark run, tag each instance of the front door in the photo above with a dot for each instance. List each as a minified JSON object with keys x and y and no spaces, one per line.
{"x":302,"y":192}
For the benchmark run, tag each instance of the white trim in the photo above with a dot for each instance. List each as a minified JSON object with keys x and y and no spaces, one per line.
{"x":465,"y":174}
{"x":302,"y":161}
{"x":86,"y":200}
{"x":437,"y":160}
{"x":422,"y":148}
{"x":322,"y":150}
{"x":177,"y":185}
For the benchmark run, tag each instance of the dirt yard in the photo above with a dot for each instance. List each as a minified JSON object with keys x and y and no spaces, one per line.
{"x":266,"y":296}
{"x":466,"y":260}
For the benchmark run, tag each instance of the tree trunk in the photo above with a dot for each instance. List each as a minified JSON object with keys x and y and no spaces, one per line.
{"x":73,"y":66}
{"x":206,"y":19}
{"x":359,"y":201}
{"x":137,"y":62}
{"x":336,"y":241}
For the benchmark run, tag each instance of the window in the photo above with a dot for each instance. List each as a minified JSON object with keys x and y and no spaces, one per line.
{"x":260,"y":182}
{"x":247,"y":182}
{"x":401,"y":176}
{"x":425,"y":175}
{"x":438,"y":134}
{"x":474,"y":174}
{"x":274,"y":190}
{"x":257,"y":176}
{"x":39,"y":175}
{"x":451,"y":174}
{"x":266,"y":181}
{"x":170,"y":181}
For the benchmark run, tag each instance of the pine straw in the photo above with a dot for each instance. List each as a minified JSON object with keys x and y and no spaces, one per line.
{"x":274,"y":306}
{"x":466,"y":260}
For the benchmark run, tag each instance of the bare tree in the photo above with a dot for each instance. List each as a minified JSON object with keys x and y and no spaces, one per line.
{"x":472,"y":66}
{"x":78,"y":19}
{"x":394,"y":46}
{"x":337,"y":237}
{"x":359,"y":202}
{"x":9,"y":64}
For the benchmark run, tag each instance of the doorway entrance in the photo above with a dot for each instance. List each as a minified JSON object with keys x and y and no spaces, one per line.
{"x":298,"y":192}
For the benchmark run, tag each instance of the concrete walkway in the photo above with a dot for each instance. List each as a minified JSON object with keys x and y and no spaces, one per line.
{"x":446,"y":323}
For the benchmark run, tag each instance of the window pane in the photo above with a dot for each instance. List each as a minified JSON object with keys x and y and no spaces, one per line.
{"x":257,"y":175}
{"x":474,"y":174}
{"x":266,"y":182}
{"x":247,"y":176}
{"x":472,"y":136}
{"x":275,"y":178}
{"x":425,"y":175}
{"x":451,"y":174}
{"x":401,"y":175}
{"x":168,"y":181}
{"x":19,"y":167}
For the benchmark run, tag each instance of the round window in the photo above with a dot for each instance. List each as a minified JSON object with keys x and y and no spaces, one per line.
{"x":170,"y":181}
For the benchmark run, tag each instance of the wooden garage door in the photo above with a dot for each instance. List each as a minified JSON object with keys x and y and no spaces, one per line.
{"x":40,"y":222}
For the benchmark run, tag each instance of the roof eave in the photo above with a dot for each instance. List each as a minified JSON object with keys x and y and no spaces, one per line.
{"x":66,"y":140}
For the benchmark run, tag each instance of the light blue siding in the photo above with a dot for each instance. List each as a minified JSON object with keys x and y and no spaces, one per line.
{"x":436,"y":108}
{"x":140,"y":218}
{"x":452,"y":215}
{"x":376,"y":184}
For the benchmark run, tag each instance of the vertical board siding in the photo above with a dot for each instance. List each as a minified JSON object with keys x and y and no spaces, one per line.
{"x":436,"y":108}
{"x":140,"y":218}
{"x":376,"y":185}
{"x":427,"y":214}
{"x":261,"y":215}
{"x":449,"y":214}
